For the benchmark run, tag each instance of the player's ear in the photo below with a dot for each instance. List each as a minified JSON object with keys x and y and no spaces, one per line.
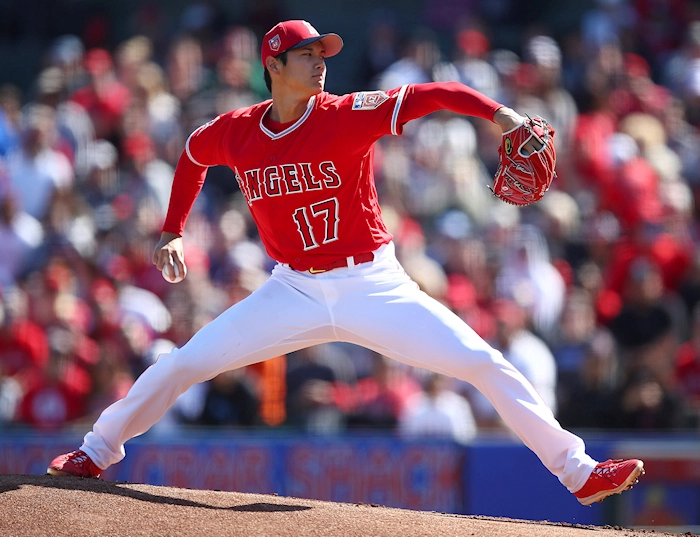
{"x":272,"y":64}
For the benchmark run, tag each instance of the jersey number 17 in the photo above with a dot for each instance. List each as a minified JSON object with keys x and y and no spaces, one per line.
{"x":326,"y":208}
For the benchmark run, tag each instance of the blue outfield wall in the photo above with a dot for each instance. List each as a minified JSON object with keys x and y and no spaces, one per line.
{"x":492,"y":476}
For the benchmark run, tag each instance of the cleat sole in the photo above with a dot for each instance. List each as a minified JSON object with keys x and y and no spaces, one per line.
{"x":58,"y":473}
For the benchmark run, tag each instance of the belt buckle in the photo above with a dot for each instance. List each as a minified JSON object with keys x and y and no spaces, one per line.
{"x":317,"y":271}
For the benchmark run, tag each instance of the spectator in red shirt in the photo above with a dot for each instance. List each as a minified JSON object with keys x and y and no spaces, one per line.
{"x":383,"y":396}
{"x":23,"y":343}
{"x":105,"y":98}
{"x":56,"y":395}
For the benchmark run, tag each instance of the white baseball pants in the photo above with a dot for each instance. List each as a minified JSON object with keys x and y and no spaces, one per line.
{"x":373,"y":304}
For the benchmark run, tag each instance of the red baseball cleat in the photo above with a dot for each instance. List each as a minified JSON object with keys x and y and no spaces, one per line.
{"x":75,"y":463}
{"x":608,"y":478}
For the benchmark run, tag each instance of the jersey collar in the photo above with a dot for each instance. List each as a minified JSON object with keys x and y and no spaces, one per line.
{"x":297,"y":124}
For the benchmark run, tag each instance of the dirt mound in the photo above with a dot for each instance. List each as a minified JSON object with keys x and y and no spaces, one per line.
{"x":32,"y":505}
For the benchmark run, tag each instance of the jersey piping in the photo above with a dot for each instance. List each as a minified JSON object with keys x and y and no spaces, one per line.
{"x":397,"y":108}
{"x":189,"y":155}
{"x":275,"y":136}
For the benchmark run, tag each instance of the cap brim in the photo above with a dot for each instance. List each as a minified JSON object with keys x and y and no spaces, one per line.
{"x":332,"y":43}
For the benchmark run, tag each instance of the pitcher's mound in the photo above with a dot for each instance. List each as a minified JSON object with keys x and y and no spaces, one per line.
{"x":34,"y":506}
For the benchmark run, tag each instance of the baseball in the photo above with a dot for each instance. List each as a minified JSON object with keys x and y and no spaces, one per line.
{"x":171,"y":274}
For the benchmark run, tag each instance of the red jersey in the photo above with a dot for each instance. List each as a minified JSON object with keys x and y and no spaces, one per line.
{"x":310,"y":188}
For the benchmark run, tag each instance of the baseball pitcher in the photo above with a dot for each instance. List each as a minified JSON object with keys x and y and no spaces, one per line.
{"x":303,"y":161}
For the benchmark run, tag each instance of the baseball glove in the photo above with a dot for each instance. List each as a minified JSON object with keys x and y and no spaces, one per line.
{"x":526,"y":162}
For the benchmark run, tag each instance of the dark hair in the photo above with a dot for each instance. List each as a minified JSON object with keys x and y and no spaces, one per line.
{"x":268,"y":81}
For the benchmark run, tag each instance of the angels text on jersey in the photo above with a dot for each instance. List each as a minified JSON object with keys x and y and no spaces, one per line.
{"x":282,"y":179}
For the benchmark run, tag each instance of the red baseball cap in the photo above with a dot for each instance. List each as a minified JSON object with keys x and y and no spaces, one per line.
{"x":289,"y":35}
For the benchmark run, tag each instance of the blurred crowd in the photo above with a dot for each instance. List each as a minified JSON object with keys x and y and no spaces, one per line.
{"x":593,"y":293}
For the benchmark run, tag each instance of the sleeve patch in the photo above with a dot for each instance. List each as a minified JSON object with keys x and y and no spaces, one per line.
{"x":369,"y":100}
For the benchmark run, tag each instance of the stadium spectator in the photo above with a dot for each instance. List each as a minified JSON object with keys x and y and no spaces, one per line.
{"x":528,"y":277}
{"x":21,"y":235}
{"x":104,"y":97}
{"x":383,"y":397}
{"x":313,"y":375}
{"x":646,"y":321}
{"x":420,"y":55}
{"x":472,"y":65}
{"x":643,"y":402}
{"x":36,"y":170}
{"x":586,"y":396}
{"x":75,"y":130}
{"x":571,"y":344}
{"x":230,"y":399}
{"x":438,"y":412}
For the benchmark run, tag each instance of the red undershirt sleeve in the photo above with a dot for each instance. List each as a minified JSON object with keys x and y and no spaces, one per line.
{"x":423,"y":99}
{"x":187,"y":183}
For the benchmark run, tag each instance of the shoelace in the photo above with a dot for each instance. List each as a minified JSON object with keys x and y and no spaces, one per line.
{"x":78,"y":459}
{"x":608,"y":472}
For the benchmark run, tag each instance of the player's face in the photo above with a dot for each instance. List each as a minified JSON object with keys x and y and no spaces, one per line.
{"x":306,"y":69}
